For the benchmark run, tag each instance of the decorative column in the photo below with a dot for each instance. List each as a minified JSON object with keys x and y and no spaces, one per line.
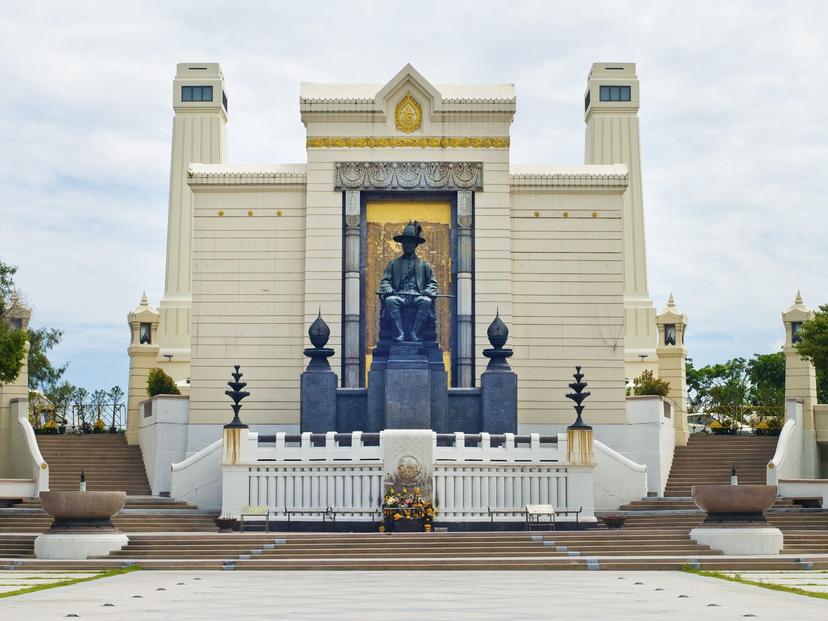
{"x":465,"y":320}
{"x":800,"y":382}
{"x":350,"y":340}
{"x":317,"y":399}
{"x":578,"y":434}
{"x":233,"y":431}
{"x":498,"y":384}
{"x":672,"y":355}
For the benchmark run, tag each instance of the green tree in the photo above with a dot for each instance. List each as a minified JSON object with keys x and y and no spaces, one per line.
{"x":648,"y":384}
{"x":61,"y":396}
{"x":717,"y":385}
{"x":12,"y":341}
{"x":116,"y":400}
{"x":42,"y":373}
{"x":813,"y":345}
{"x":159,"y":383}
{"x":766,"y":374}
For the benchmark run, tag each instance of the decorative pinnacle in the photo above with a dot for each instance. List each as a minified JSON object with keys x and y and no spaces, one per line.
{"x":144,"y":300}
{"x":578,"y":397}
{"x":237,"y":394}
{"x":498,"y":333}
{"x":319,"y":332}
{"x":798,"y":299}
{"x":671,"y":303}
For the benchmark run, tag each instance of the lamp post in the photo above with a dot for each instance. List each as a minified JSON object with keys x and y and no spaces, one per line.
{"x":579,"y":434}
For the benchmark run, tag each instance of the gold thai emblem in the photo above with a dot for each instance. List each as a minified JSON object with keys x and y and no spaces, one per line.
{"x":408,"y":115}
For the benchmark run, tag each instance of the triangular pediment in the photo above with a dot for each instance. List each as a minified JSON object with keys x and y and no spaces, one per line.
{"x":408,"y":79}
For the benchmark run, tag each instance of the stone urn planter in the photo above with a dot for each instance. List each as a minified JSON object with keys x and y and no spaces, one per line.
{"x":735,"y":522}
{"x":734,"y":503}
{"x":82,"y":525}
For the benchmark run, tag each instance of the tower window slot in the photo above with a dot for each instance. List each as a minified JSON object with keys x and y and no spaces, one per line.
{"x":615,"y":93}
{"x":196,"y":93}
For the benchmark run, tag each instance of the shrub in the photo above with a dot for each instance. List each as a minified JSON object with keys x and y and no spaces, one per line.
{"x":159,"y":383}
{"x":649,"y":384}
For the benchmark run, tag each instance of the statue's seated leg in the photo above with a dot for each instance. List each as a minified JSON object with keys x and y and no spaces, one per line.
{"x":423,"y":305}
{"x":393,"y":303}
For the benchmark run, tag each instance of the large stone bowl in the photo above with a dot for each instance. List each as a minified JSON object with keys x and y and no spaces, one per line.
{"x":734,"y":502}
{"x":82,"y":509}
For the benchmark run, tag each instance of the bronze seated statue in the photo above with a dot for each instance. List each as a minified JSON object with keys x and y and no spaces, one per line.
{"x":407,"y":292}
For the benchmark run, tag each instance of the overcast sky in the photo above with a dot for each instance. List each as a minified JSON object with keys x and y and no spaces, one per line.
{"x":734,"y":136}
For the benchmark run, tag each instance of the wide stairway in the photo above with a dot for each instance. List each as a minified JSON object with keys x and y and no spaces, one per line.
{"x":708,"y":459}
{"x":109,"y":464}
{"x":597,"y":549}
{"x":107,"y":460}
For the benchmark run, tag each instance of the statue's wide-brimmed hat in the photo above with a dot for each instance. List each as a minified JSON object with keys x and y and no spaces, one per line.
{"x":411,"y":232}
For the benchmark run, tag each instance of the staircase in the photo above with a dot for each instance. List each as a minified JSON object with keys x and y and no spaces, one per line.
{"x":108,"y":461}
{"x":634,"y":549}
{"x":707,"y":459}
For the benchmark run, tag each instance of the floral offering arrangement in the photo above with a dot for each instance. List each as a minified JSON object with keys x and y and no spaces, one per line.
{"x":407,"y":504}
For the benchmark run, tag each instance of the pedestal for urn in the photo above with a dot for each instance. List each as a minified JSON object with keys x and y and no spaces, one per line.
{"x":82,"y":525}
{"x":735,"y":522}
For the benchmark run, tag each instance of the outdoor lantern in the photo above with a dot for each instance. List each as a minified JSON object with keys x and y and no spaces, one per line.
{"x":670,"y":334}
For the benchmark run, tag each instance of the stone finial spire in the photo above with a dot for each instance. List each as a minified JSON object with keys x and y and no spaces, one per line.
{"x":144,"y":301}
{"x":671,"y":303}
{"x":798,"y":299}
{"x":498,"y":334}
{"x":319,"y":333}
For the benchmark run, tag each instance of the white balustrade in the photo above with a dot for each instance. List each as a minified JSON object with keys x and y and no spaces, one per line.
{"x":314,"y":474}
{"x":466,"y":491}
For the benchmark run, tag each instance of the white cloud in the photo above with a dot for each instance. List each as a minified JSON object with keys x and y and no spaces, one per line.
{"x":734,"y":140}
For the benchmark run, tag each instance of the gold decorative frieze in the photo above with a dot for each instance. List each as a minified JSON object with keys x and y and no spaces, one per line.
{"x":425,"y":142}
{"x":408,"y":115}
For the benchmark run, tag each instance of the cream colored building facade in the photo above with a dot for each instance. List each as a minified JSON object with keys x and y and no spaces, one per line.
{"x":256,"y":251}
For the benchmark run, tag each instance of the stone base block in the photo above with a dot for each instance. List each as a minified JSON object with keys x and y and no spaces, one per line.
{"x":71,"y":546}
{"x":766,"y":540}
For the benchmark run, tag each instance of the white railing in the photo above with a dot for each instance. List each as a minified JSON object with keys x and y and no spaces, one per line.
{"x":618,"y":480}
{"x":506,"y":451}
{"x":787,"y":459}
{"x":466,"y":492}
{"x":344,"y":472}
{"x":197,"y":479}
{"x":29,"y":471}
{"x":310,"y":486}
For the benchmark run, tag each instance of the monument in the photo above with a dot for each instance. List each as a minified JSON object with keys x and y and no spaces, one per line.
{"x":408,"y":386}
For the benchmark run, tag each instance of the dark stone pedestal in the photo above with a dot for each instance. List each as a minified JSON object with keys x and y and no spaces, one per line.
{"x":499,"y":401}
{"x":407,"y":387}
{"x":317,"y":406}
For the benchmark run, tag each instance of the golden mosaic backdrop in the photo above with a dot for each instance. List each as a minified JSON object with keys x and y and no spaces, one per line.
{"x":383,"y":221}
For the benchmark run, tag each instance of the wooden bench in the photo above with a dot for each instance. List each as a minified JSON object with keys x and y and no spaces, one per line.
{"x":256,"y":511}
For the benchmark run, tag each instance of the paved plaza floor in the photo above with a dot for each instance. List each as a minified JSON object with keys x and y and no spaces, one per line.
{"x":410,"y":595}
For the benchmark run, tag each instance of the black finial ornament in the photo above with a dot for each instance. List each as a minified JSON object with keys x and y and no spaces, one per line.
{"x":237,"y":394}
{"x":578,"y":397}
{"x":498,"y":334}
{"x":319,"y":333}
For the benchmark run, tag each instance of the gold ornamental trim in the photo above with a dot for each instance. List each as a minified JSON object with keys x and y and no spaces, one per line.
{"x":408,"y":115}
{"x":424,"y":142}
